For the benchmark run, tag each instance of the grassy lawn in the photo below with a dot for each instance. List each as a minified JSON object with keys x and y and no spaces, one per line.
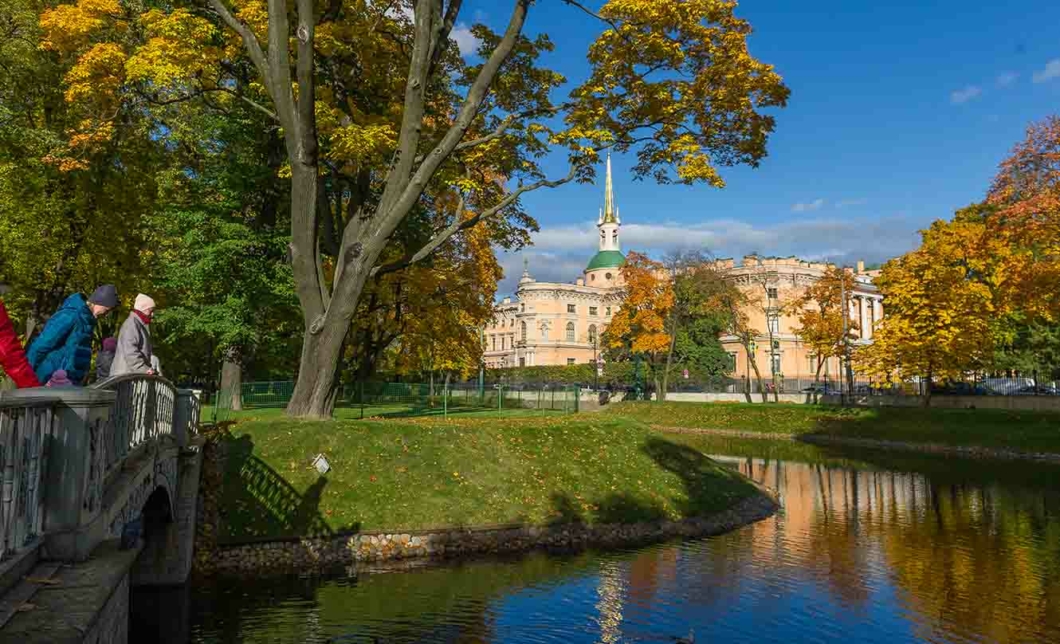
{"x":997,"y":428}
{"x":473,"y":469}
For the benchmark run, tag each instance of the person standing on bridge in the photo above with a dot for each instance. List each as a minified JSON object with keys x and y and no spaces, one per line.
{"x":12,"y":357}
{"x":66,"y":340}
{"x":134,"y":351}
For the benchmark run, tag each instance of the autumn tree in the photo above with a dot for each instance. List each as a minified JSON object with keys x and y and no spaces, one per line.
{"x":670,"y":80}
{"x":638,"y":327}
{"x":72,"y":200}
{"x":941,"y":311}
{"x":822,"y":310}
{"x":698,"y":317}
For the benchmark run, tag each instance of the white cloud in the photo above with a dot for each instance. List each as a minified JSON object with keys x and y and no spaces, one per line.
{"x":559,"y":253}
{"x":1049,"y":72}
{"x":465,"y":40}
{"x":961,"y":96}
{"x":846,"y":203}
{"x":1006,"y":79}
{"x":806,"y":207}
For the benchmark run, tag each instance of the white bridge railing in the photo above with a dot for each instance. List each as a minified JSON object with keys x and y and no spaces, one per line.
{"x":57,"y":446}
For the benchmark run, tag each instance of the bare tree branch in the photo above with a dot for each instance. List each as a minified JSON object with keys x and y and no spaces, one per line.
{"x":459,"y":224}
{"x":394,"y":211}
{"x":249,"y":39}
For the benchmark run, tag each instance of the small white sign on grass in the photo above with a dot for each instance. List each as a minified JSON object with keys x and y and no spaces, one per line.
{"x":321,"y":464}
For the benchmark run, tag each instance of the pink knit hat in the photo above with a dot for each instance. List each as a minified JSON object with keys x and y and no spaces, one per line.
{"x":59,"y":379}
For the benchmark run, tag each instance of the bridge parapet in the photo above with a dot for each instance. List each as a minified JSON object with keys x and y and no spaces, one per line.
{"x":61,"y":449}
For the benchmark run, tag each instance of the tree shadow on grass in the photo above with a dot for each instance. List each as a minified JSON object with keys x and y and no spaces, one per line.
{"x":258,"y":502}
{"x":708,"y":486}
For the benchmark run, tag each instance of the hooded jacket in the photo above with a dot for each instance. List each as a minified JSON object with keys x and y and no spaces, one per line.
{"x":133,"y":354}
{"x":65,"y":342}
{"x":12,"y":357}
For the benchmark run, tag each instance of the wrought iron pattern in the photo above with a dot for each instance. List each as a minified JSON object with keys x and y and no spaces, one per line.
{"x":24,"y":431}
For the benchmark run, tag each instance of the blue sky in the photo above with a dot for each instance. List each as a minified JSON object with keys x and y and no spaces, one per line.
{"x":899,"y":113}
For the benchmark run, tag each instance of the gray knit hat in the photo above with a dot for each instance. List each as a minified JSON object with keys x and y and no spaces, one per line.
{"x":105,"y":295}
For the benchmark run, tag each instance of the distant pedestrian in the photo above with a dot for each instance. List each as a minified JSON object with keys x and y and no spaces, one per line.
{"x":66,"y":340}
{"x":105,"y":358}
{"x":134,"y":351}
{"x":12,"y":357}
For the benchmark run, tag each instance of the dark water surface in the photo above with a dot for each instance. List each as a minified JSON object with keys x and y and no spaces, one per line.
{"x":868,"y":548}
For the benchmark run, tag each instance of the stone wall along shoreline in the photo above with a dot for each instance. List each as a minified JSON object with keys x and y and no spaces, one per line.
{"x":328,"y":552}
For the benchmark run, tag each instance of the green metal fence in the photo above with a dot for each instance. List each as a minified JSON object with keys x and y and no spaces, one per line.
{"x":405,"y":399}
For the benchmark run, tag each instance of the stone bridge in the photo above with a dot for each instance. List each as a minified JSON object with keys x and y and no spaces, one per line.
{"x":98,"y":490}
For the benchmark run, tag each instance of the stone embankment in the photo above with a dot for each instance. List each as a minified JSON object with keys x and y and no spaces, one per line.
{"x":321,"y":553}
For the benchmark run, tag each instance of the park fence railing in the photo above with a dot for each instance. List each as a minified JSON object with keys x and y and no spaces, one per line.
{"x":405,"y":398}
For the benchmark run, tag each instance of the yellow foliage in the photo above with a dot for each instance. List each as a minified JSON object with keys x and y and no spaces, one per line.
{"x":97,"y":75}
{"x":176,"y":48}
{"x":639,"y":324}
{"x":69,"y":27}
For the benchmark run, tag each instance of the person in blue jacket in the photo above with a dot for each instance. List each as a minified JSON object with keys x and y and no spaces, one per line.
{"x":66,"y":340}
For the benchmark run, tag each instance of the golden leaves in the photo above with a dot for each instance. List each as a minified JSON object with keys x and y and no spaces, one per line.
{"x":176,"y":48}
{"x":69,"y":27}
{"x":98,"y":74}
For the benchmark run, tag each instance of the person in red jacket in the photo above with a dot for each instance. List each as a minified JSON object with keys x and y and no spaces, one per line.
{"x":12,"y":357}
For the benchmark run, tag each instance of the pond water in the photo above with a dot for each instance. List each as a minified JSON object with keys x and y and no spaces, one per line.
{"x":869,"y":547}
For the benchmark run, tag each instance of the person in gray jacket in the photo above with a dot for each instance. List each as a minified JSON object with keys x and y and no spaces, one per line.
{"x":133,"y":354}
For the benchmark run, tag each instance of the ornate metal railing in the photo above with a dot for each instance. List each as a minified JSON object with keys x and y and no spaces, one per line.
{"x":26,"y":426}
{"x":143,"y":411}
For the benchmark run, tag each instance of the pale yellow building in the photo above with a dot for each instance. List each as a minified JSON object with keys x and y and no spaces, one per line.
{"x":773,"y":282}
{"x":558,"y":323}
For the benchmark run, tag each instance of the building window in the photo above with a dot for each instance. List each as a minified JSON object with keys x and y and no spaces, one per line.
{"x":614,"y":238}
{"x":811,"y":361}
{"x":522,"y":308}
{"x":494,"y":338}
{"x":571,"y":308}
{"x":570,"y":332}
{"x":522,"y":331}
{"x":522,"y":362}
{"x":502,"y":343}
{"x":593,"y":310}
{"x":608,"y":277}
{"x":570,"y":361}
{"x":608,"y":311}
{"x":592,"y":277}
{"x":732,"y":362}
{"x":771,"y":293}
{"x":592,"y":334}
{"x":544,"y":333}
{"x":774,"y":324}
{"x":775,"y":360}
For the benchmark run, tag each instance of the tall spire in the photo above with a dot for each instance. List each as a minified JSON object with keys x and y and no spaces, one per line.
{"x":610,"y":214}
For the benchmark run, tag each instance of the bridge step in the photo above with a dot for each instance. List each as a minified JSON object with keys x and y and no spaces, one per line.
{"x":19,"y":598}
{"x":90,"y":602}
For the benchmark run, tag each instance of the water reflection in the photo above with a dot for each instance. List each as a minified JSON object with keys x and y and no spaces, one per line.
{"x":935,"y":550}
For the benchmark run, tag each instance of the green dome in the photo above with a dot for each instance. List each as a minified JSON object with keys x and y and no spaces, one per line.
{"x":606,"y":259}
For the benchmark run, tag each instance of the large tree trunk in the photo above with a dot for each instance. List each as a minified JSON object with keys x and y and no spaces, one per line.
{"x":232,"y":378}
{"x":317,"y":384}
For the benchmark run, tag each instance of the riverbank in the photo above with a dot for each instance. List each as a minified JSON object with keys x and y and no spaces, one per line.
{"x":970,"y":432}
{"x":483,"y":482}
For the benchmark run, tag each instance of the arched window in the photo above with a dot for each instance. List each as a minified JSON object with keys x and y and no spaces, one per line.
{"x":570,"y":332}
{"x":522,"y":331}
{"x":608,"y":277}
{"x":592,"y":334}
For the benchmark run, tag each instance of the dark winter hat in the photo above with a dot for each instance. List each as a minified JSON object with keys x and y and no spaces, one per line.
{"x":105,"y":295}
{"x":110,"y":344}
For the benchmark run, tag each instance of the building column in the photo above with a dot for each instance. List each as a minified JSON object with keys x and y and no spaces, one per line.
{"x":863,"y":331}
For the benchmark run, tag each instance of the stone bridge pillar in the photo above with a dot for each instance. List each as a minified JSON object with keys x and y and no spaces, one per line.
{"x":75,"y":471}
